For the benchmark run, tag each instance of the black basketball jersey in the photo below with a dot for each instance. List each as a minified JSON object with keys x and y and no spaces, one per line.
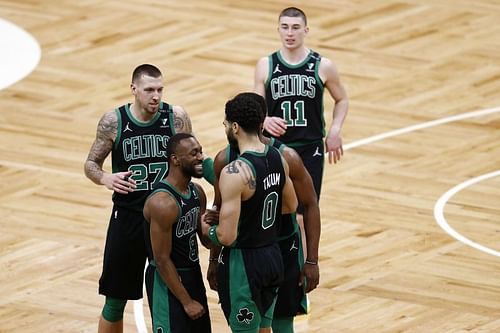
{"x":295,"y":93}
{"x":184,"y":252}
{"x":260,"y":216}
{"x":287,"y":225}
{"x":142,"y":148}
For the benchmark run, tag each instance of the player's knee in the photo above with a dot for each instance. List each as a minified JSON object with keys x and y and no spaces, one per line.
{"x":283,"y":325}
{"x":113,"y":309}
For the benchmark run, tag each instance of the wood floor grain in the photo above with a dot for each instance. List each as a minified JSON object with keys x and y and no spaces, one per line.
{"x":386,"y":266}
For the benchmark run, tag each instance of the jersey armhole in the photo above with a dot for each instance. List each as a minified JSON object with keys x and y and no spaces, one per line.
{"x":281,"y":153}
{"x":196,"y":191}
{"x":179,"y":210}
{"x":249,"y":164}
{"x":171,"y":118}
{"x":254,"y":173}
{"x":269,"y":70}
{"x":118,"y":128}
{"x":316,"y":72}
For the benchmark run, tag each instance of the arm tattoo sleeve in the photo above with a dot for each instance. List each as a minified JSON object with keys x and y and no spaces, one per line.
{"x":182,"y":123}
{"x":245,"y":174}
{"x":232,"y":167}
{"x":102,"y":146}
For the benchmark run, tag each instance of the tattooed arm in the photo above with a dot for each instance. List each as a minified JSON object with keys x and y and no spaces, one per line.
{"x":236,"y":183}
{"x":182,"y":123}
{"x":102,"y":146}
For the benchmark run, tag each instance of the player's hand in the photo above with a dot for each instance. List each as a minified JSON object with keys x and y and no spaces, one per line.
{"x":211,"y":216}
{"x":194,"y":309}
{"x":333,"y":145}
{"x":120,"y":182}
{"x":275,"y":126}
{"x":205,"y":226}
{"x":311,"y":275}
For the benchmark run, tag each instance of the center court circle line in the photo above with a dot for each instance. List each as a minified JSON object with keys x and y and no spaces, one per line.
{"x":439,"y":212}
{"x":20,"y":54}
{"x":138,"y":304}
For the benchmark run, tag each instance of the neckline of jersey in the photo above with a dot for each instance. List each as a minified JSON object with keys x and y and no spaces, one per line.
{"x":300,"y":64}
{"x":139,"y":122}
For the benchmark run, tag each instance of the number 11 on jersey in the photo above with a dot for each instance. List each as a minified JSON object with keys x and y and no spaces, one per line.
{"x":300,"y":120}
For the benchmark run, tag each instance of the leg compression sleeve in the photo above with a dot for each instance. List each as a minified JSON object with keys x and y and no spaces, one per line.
{"x":113,"y":309}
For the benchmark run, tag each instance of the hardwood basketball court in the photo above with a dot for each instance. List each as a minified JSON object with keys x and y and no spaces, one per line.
{"x":386,"y":265}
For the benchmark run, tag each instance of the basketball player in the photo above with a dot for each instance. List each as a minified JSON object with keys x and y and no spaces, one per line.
{"x":300,"y":277}
{"x":255,"y":191}
{"x":292,"y":80}
{"x":174,"y":212}
{"x":137,"y":135}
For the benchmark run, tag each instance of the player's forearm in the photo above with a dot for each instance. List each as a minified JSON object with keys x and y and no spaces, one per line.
{"x":222,"y":234}
{"x":226,"y":236}
{"x":205,"y":241}
{"x":312,"y":228}
{"x":227,"y":229}
{"x":215,"y":252}
{"x":94,"y":172}
{"x":339,"y":115}
{"x":169,"y":275}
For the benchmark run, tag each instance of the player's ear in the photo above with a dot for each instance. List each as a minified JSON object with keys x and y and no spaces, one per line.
{"x":175,"y":160}
{"x":235,"y":126}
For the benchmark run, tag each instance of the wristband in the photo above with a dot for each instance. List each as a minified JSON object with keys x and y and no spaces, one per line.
{"x":212,"y":234}
{"x":311,"y":262}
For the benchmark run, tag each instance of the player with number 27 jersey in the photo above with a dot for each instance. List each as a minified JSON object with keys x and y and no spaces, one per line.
{"x":141,"y":148}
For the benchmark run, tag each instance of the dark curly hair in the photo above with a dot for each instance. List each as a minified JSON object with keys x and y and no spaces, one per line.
{"x":246,"y":110}
{"x":259,"y":99}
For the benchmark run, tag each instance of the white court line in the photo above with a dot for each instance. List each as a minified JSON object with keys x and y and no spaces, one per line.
{"x":140,"y":321}
{"x":420,"y":126}
{"x":439,"y":212}
{"x":20,"y":53}
{"x":438,"y":208}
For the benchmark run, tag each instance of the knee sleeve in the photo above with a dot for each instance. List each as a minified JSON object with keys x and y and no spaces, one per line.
{"x":113,"y":309}
{"x":283,"y":325}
